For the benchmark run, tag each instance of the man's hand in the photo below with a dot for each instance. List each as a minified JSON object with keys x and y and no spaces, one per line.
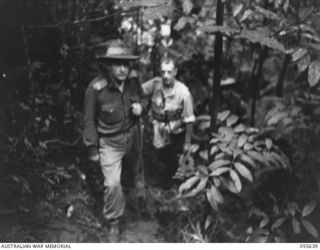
{"x":136,"y":109}
{"x":94,"y":158}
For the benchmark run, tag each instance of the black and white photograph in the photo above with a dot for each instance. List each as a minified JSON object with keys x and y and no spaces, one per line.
{"x":159,"y":121}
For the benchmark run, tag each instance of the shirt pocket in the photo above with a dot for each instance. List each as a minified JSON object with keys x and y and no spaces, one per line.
{"x":111,"y":113}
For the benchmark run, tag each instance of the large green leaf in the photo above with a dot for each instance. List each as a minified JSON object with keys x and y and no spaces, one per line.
{"x":219,"y":163}
{"x":264,"y":222}
{"x":224,"y":115}
{"x":232,"y":119}
{"x":201,"y":185}
{"x":247,"y":146}
{"x":188,"y":183}
{"x":194,"y":148}
{"x":181,"y":24}
{"x":314,"y":73}
{"x":308,"y":208}
{"x":309,"y":227}
{"x":214,"y":140}
{"x":292,"y":208}
{"x":248,"y":160}
{"x":242,"y":140}
{"x":214,"y":150}
{"x":237,"y":9}
{"x":203,"y":118}
{"x":239,"y":128}
{"x":296,"y":226}
{"x":246,"y":14}
{"x":298,"y":54}
{"x":242,"y":170}
{"x":237,"y":182}
{"x":204,"y":154}
{"x":214,"y":194}
{"x":219,"y":156}
{"x":208,"y":222}
{"x":257,"y":37}
{"x":304,"y":63}
{"x":228,"y":184}
{"x":216,"y":181}
{"x":256,"y":156}
{"x":278,"y":223}
{"x":277,"y":117}
{"x":220,"y":171}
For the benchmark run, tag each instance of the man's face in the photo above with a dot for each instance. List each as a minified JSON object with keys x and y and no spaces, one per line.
{"x":119,"y":70}
{"x":168,"y":73}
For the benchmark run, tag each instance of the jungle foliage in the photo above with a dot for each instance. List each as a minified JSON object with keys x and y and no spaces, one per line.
{"x":252,"y":177}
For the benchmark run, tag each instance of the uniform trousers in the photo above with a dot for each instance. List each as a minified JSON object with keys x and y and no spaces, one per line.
{"x":121,"y":163}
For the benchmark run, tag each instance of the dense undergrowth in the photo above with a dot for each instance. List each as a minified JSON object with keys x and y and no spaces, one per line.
{"x":255,"y":179}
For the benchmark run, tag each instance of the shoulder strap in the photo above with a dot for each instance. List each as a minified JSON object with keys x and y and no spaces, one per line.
{"x":100,"y":84}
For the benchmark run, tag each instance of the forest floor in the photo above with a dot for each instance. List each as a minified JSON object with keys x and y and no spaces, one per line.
{"x":73,"y":213}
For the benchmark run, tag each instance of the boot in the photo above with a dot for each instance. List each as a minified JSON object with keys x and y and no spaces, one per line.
{"x":113,"y":234}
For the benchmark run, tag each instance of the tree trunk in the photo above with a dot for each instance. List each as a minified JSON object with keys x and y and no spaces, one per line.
{"x":280,"y":82}
{"x":216,"y":91}
{"x":256,"y":83}
{"x":257,"y":78}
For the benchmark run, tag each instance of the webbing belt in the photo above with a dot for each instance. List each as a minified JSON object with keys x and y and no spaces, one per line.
{"x":167,"y":116}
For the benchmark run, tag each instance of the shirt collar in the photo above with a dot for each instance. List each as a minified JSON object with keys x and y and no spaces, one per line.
{"x":169,"y":92}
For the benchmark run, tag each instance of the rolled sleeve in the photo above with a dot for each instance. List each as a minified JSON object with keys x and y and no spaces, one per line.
{"x":90,"y":135}
{"x":187,"y":113}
